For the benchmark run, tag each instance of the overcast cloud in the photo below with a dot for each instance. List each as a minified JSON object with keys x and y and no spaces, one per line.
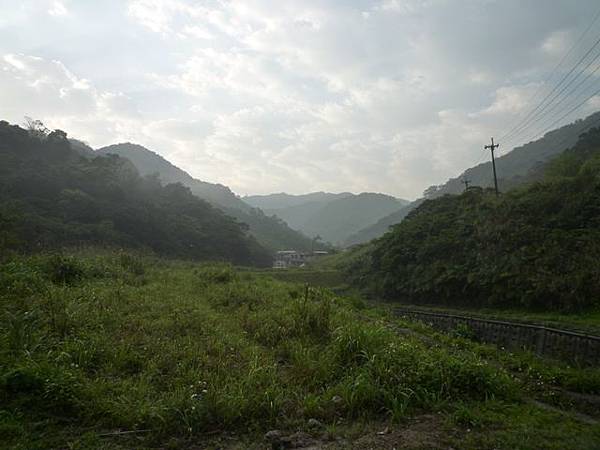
{"x":297,"y":96}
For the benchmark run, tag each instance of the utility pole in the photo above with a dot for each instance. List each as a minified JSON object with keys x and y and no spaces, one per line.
{"x":492,"y":148}
{"x":466,"y":183}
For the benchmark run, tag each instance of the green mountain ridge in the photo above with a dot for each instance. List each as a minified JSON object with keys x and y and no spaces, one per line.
{"x":271,"y":232}
{"x":149,"y":162}
{"x":53,"y":197}
{"x":521,"y":165}
{"x":536,"y":246}
{"x":340,"y":218}
{"x":382,"y":226}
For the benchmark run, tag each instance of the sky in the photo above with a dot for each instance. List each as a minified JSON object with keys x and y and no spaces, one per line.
{"x":297,"y":96}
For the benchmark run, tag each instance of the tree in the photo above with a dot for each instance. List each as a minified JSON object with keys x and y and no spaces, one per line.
{"x":36,"y":128}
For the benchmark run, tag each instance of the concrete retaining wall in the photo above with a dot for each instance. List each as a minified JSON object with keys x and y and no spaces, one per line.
{"x":551,"y":342}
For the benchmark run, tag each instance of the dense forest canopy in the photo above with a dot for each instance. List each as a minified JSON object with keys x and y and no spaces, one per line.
{"x":537,"y":246}
{"x":51,"y":196}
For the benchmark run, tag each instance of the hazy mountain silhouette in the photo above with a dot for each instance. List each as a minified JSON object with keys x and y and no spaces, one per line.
{"x":271,"y":232}
{"x":334,"y":217}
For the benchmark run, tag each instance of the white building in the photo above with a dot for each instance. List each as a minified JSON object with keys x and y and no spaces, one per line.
{"x":291,"y":258}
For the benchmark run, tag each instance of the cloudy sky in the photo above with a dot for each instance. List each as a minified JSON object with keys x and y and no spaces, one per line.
{"x":297,"y":96}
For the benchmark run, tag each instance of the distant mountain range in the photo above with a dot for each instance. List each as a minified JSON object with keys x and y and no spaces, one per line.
{"x":520,"y":166}
{"x":277,"y":221}
{"x":333,"y":217}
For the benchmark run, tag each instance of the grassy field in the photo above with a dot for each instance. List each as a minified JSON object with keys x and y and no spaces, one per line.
{"x":323,"y":274}
{"x":117,"y":351}
{"x":332,"y":279}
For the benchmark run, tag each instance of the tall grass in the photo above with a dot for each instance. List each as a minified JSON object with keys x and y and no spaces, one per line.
{"x":123,"y":342}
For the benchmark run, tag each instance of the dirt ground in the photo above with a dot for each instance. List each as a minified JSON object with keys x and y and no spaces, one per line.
{"x":424,"y":432}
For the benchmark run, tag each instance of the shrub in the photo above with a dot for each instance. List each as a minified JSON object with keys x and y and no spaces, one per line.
{"x":42,"y":387}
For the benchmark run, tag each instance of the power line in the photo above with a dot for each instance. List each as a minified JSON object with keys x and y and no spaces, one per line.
{"x":575,"y":108}
{"x":554,"y":114}
{"x":553,"y":72}
{"x":579,"y":132}
{"x":481,"y":158}
{"x":549,"y":112}
{"x":534,"y":112}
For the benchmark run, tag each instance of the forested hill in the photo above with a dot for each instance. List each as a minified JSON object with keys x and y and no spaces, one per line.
{"x":51,"y":196}
{"x":520,"y":164}
{"x":334,"y":217}
{"x":148,"y":162}
{"x":517,"y":167}
{"x":380,"y":227}
{"x":341,"y":217}
{"x":271,"y":232}
{"x":536,"y":246}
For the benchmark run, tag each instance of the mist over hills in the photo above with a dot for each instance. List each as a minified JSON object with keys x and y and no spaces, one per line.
{"x":333,"y":217}
{"x":149,"y":162}
{"x":521,"y":165}
{"x":269,"y":231}
{"x":52,"y":196}
{"x":282,"y":200}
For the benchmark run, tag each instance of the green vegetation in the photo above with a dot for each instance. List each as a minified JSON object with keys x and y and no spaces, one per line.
{"x":520,"y":166}
{"x":535,"y":247}
{"x":51,"y":196}
{"x":99,"y":344}
{"x":586,"y":321}
{"x":380,"y":227}
{"x":332,"y":279}
{"x":270,"y":231}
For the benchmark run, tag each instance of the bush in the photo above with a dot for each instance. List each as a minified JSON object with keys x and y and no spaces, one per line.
{"x":42,"y":387}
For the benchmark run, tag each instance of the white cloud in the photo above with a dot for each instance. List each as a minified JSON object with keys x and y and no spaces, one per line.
{"x":557,"y":43}
{"x":381,"y":95}
{"x":48,"y":90}
{"x":58,"y":9}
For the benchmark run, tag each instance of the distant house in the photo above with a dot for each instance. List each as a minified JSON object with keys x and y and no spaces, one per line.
{"x":285,"y":259}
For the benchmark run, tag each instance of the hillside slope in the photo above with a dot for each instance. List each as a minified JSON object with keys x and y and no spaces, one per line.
{"x":340,"y":218}
{"x":295,"y":210}
{"x":536,"y":246}
{"x":51,"y":196}
{"x":149,"y":162}
{"x":517,"y":167}
{"x":380,"y":227}
{"x":269,"y":231}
